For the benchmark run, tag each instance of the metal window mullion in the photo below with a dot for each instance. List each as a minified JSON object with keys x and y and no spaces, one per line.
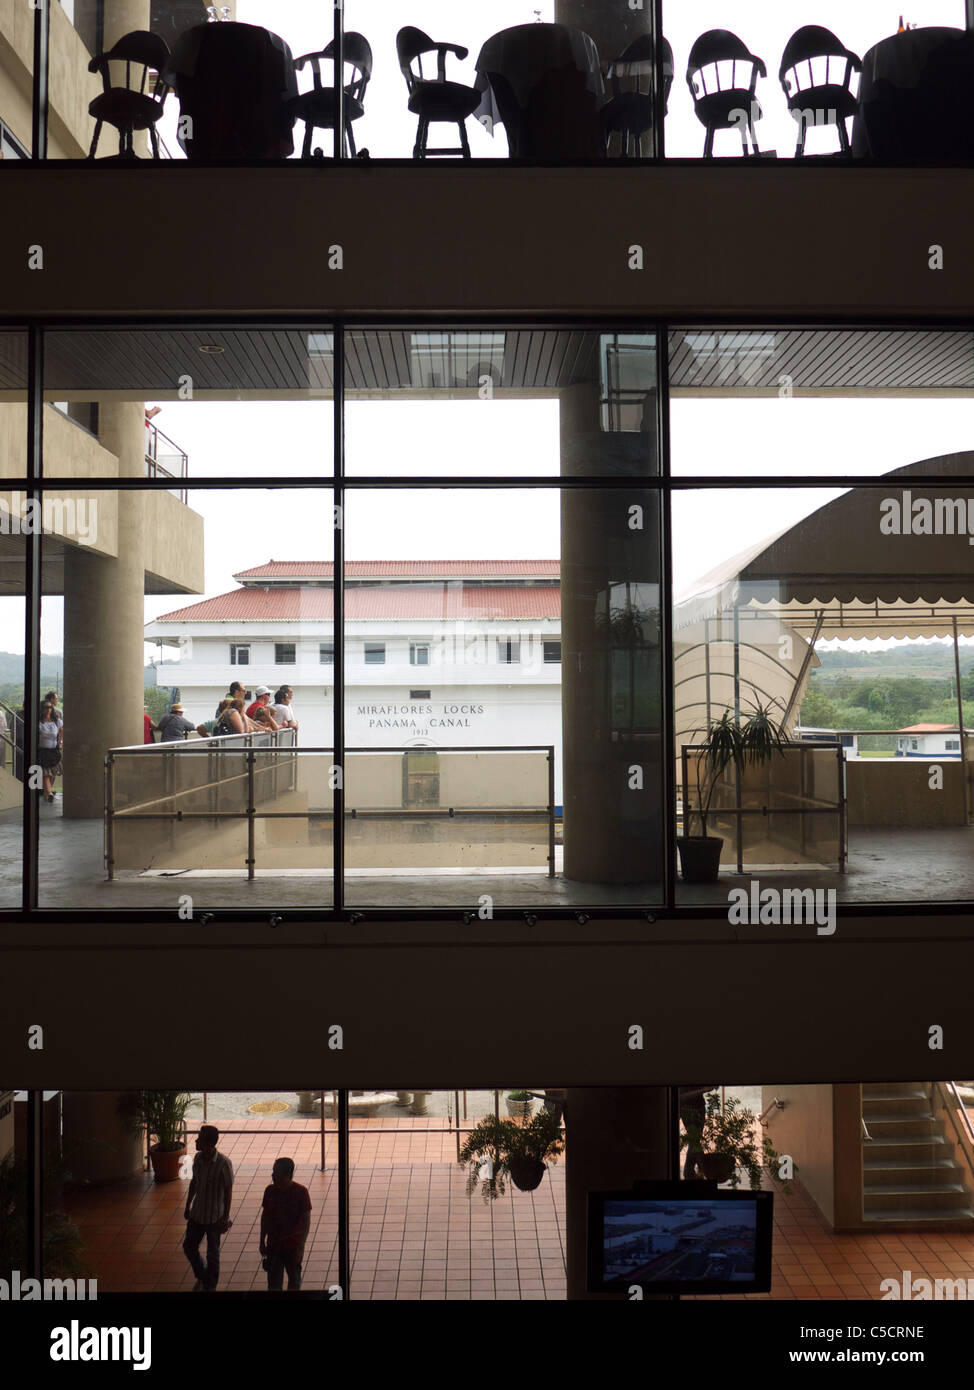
{"x":35,"y":1184}
{"x":338,"y":621}
{"x":41,"y":80}
{"x":339,"y":42}
{"x":344,"y":1175}
{"x":659,"y":147}
{"x":32,"y":619}
{"x":665,"y":555}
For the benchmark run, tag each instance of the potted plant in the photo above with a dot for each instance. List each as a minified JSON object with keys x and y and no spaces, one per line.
{"x":63,"y":1247}
{"x":725,"y":1142}
{"x":519,"y":1104}
{"x":498,"y":1149}
{"x":162,"y":1114}
{"x":727,"y":743}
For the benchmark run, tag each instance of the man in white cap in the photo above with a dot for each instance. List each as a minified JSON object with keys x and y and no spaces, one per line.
{"x":259,"y":710}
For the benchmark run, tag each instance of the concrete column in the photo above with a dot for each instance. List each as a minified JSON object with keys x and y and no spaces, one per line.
{"x":98,"y":1146}
{"x":610,"y":671}
{"x":104,"y":617}
{"x":122,"y":16}
{"x":614,"y":1136}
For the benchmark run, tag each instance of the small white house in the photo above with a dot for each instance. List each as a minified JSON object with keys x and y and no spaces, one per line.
{"x":929,"y":741}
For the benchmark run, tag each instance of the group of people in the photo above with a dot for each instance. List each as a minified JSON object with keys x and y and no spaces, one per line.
{"x":235,"y":714}
{"x":285,"y":1217}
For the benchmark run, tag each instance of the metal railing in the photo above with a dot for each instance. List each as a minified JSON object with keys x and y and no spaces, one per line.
{"x":243,"y":772}
{"x":768,"y":800}
{"x":167,"y":463}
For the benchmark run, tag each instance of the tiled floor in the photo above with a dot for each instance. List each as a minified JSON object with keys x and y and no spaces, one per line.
{"x":415,"y":1233}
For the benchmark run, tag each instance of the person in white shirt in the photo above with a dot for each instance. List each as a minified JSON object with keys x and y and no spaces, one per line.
{"x":207,"y":1211}
{"x":282,"y":709}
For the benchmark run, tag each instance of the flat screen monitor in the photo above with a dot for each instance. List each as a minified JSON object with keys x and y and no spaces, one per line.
{"x":679,"y":1238}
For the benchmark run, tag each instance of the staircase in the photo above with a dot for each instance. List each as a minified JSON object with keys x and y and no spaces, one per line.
{"x":910,"y":1174}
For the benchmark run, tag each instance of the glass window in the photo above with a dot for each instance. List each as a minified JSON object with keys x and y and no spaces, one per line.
{"x":859,"y":90}
{"x":490,"y":402}
{"x":227,"y":403}
{"x":509,"y":807}
{"x":246,"y":817}
{"x":839,"y":614}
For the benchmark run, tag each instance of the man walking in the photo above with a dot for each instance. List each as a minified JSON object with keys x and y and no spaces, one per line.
{"x":207,"y":1208}
{"x":285,"y":1220}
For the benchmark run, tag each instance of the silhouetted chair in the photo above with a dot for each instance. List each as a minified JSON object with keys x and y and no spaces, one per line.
{"x":630,"y":109}
{"x":318,"y":108}
{"x":130,"y":108}
{"x":811,"y":100}
{"x":721,"y":103}
{"x":433,"y":98}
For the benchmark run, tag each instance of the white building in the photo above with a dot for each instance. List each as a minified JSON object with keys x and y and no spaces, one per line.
{"x":438,"y":653}
{"x":929,"y":741}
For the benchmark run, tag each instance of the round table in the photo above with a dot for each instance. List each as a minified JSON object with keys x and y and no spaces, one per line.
{"x":916,"y":98}
{"x":543,"y":82}
{"x":234,"y":83}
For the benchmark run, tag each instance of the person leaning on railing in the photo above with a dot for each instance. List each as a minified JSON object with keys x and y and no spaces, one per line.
{"x":173,"y":726}
{"x":260,"y":711}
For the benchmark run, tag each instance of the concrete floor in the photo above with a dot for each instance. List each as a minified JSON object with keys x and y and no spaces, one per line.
{"x":885,"y":866}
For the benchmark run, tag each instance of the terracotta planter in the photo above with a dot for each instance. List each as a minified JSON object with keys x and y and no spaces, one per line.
{"x":165,"y":1162}
{"x":699,"y":857}
{"x":526,"y":1173}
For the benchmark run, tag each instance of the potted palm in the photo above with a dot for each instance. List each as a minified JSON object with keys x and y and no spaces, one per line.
{"x":725,"y":1143}
{"x":162,"y":1114}
{"x":498,"y":1149}
{"x":728,"y":743}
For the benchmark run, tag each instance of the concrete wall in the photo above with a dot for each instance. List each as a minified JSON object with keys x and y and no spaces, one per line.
{"x":804,"y":1130}
{"x":896,"y":792}
{"x":173,"y":546}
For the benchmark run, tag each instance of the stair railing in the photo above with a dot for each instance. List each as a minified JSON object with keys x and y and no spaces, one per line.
{"x":951,"y":1102}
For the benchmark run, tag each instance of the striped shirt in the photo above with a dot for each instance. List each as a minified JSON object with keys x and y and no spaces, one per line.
{"x":214,"y":1179}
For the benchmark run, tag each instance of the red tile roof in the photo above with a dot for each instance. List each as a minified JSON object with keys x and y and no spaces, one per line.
{"x":290,"y":605}
{"x":930,"y":729}
{"x":403,"y":569}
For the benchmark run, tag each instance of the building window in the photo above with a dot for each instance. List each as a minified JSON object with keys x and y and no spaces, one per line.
{"x":419,"y":654}
{"x":285,"y":653}
{"x":239,"y":655}
{"x":326,"y":653}
{"x":375,"y":653}
{"x":508,"y":650}
{"x":10,"y":146}
{"x":552,"y":653}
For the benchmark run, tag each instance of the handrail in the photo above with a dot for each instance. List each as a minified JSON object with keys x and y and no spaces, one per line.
{"x":947,"y":1091}
{"x":172,"y":799}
